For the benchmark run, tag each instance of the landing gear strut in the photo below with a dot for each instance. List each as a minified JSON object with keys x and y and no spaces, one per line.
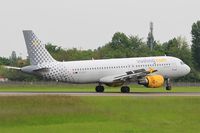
{"x":168,"y":84}
{"x":99,"y":88}
{"x":125,"y":89}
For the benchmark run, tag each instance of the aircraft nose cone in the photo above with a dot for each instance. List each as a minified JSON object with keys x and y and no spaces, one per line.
{"x":188,"y":69}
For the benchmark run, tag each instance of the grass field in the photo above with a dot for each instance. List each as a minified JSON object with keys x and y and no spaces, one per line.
{"x":65,"y":114}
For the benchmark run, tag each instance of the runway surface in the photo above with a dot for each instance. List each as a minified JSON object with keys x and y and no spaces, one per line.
{"x":145,"y":94}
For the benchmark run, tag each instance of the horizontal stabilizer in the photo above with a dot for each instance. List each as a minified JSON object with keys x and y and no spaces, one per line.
{"x":10,"y":67}
{"x":34,"y":69}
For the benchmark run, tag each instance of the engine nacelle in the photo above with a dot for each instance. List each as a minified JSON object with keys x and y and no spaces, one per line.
{"x":154,"y":81}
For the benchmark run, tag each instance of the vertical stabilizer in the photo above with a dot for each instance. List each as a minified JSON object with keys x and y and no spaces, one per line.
{"x":36,"y":50}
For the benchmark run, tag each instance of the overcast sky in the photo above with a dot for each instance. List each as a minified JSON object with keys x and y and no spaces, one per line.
{"x":88,"y":24}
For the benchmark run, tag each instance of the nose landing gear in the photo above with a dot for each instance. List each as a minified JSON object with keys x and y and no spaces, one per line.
{"x":168,"y":84}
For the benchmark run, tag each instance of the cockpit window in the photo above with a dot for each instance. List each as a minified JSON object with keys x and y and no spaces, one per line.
{"x":182,"y":63}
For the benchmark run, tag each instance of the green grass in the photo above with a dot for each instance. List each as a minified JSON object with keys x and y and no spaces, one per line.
{"x":65,"y":114}
{"x":86,"y":88}
{"x":22,"y":114}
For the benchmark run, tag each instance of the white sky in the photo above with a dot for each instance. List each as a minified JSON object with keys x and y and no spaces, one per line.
{"x":88,"y":24}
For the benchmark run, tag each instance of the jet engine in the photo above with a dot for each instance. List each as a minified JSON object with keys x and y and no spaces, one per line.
{"x":153,"y":81}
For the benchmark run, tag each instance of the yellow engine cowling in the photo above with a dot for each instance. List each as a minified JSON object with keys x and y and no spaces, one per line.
{"x":154,"y":81}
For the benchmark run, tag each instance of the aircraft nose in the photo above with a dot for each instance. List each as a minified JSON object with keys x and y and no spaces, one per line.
{"x":188,"y":69}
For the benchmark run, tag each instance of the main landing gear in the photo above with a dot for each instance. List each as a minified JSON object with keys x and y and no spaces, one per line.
{"x":125,"y":89}
{"x":168,"y":84}
{"x":99,"y":88}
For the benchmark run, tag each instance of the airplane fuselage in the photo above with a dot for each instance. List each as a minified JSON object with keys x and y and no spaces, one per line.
{"x":92,"y":71}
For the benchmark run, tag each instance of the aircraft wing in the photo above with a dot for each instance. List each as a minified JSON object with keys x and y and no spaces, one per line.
{"x":128,"y":76}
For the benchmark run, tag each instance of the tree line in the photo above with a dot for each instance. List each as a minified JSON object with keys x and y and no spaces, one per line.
{"x":121,"y":46}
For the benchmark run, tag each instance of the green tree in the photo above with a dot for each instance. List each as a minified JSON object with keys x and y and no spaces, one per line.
{"x":56,"y":52}
{"x":178,"y":47}
{"x":119,"y":40}
{"x":122,"y":46}
{"x":196,"y":43}
{"x":4,"y":61}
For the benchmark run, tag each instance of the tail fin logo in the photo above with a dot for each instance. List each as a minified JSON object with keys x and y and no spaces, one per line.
{"x":36,"y":42}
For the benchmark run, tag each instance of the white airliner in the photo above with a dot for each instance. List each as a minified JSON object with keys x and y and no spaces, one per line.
{"x":151,"y":72}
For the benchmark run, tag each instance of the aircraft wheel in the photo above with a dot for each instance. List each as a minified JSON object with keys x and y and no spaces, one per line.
{"x":168,"y":88}
{"x":125,"y":89}
{"x":99,"y":89}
